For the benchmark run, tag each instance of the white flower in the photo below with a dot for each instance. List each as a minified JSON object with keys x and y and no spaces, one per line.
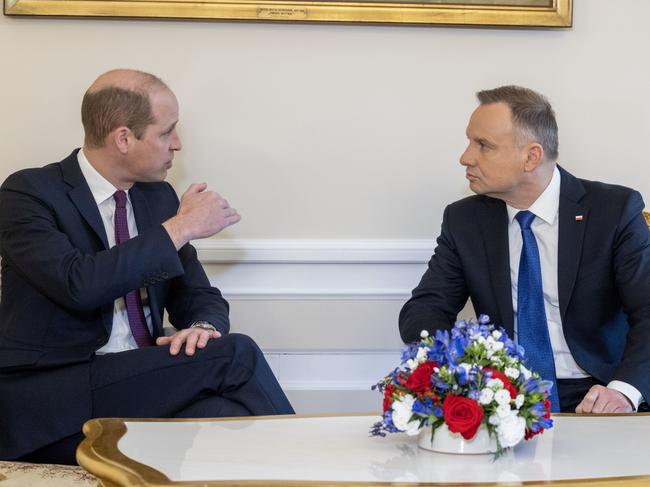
{"x":494,"y":384}
{"x":502,"y":397}
{"x":496,"y":346}
{"x":422,"y":355}
{"x":519,"y":401}
{"x":503,"y":410}
{"x":494,"y":419}
{"x":486,"y":396}
{"x":512,"y":373}
{"x":424,"y":334}
{"x":496,"y":334}
{"x":402,"y":412}
{"x":511,"y":429}
{"x":411,"y":364}
{"x":525,"y":371}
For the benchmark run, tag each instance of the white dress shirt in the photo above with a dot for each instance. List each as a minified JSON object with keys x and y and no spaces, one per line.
{"x":121,"y":338}
{"x":545,"y":227}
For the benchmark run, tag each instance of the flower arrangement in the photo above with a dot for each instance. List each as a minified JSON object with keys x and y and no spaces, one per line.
{"x":470,"y":377}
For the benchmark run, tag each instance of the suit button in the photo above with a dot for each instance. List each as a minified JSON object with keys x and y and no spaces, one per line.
{"x":165,"y":275}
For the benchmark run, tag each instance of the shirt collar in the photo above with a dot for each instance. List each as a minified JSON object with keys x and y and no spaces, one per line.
{"x":547,"y":204}
{"x":100,"y":188}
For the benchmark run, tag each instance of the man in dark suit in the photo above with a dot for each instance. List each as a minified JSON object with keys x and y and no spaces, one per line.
{"x":591,"y":247}
{"x":93,"y":249}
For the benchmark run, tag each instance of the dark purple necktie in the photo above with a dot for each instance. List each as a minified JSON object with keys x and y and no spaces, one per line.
{"x":132,"y":299}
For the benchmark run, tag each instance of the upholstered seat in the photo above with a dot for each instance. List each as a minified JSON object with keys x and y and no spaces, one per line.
{"x":19,"y":474}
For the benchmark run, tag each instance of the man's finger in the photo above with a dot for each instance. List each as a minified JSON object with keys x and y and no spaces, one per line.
{"x":602,"y":404}
{"x":196,"y":188}
{"x":587,"y":403}
{"x":163,"y":340}
{"x":190,"y":342}
{"x":204,"y":336}
{"x":177,"y":341}
{"x":231,"y":220}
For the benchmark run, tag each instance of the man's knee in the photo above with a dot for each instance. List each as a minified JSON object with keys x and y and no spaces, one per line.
{"x":241,"y":348}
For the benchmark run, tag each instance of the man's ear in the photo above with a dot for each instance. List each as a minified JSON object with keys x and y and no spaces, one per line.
{"x":534,"y":156}
{"x":120,"y":138}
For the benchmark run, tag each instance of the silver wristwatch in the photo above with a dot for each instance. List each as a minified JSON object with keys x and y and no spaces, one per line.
{"x":204,"y":325}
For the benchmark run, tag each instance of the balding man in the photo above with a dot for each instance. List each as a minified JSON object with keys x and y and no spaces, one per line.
{"x":94,"y":248}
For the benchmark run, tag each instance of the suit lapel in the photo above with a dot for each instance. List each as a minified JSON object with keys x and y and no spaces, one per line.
{"x":571,"y":235}
{"x":493,"y":220}
{"x":82,"y":197}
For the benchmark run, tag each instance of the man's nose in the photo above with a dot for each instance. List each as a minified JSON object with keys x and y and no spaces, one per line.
{"x":466,"y":157}
{"x":176,"y":144}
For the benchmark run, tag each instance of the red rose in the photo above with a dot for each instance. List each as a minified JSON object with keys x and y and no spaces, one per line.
{"x":507,"y":385}
{"x":462,"y":415}
{"x":420,"y":378}
{"x":388,"y":400}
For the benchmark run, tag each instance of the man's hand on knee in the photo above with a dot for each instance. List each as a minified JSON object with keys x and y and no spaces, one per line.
{"x":193,"y":338}
{"x":601,"y":399}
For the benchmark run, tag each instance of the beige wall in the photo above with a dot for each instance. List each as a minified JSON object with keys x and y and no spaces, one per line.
{"x":338,"y":144}
{"x":336,"y":131}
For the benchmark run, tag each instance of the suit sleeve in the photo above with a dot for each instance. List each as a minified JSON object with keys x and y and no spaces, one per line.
{"x":632,"y":274}
{"x":442,"y":291}
{"x":32,"y":242}
{"x":191,"y":297}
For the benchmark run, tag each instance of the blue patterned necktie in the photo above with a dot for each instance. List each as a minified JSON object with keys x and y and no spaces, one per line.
{"x":532,"y":328}
{"x":134,"y":310}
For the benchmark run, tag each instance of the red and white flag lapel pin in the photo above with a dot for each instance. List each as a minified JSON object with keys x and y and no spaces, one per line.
{"x":579,"y":218}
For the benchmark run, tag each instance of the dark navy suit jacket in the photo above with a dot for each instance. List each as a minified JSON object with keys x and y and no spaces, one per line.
{"x":603,"y":276}
{"x":59,"y":282}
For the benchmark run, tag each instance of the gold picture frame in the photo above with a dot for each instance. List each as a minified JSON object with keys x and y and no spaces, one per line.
{"x":531,"y":13}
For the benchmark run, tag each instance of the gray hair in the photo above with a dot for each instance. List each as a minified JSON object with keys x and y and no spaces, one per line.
{"x":532,"y":114}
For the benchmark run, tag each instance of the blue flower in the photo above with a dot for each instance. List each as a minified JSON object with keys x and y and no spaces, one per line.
{"x":423,"y":408}
{"x":438,"y":412}
{"x":532,"y":385}
{"x":538,"y":409}
{"x":456,"y":349}
{"x":461,"y":375}
{"x":409,"y":351}
{"x":474,"y":394}
{"x":484,"y":320}
{"x":388,"y":422}
{"x":546,"y":386}
{"x":439,"y":384}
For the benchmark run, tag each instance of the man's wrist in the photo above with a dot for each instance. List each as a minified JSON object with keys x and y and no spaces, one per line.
{"x":175,"y":231}
{"x":204,"y":325}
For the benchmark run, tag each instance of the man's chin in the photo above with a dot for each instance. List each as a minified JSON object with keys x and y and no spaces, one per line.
{"x":475,"y":187}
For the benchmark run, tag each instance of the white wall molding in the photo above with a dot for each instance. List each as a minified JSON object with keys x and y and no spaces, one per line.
{"x":269,"y":269}
{"x":314,"y":251}
{"x":331,"y":370}
{"x":316,"y":294}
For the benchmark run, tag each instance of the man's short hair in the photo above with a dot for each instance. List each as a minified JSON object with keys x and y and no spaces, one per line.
{"x":107,"y":108}
{"x":532,"y":114}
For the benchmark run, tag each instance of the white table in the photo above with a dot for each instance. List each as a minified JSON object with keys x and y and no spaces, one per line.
{"x":593,"y":451}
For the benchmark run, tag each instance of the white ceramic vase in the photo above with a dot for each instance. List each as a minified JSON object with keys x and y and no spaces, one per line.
{"x":444,"y":441}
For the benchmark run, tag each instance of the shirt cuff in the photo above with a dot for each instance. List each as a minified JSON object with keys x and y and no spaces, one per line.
{"x":628,"y":390}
